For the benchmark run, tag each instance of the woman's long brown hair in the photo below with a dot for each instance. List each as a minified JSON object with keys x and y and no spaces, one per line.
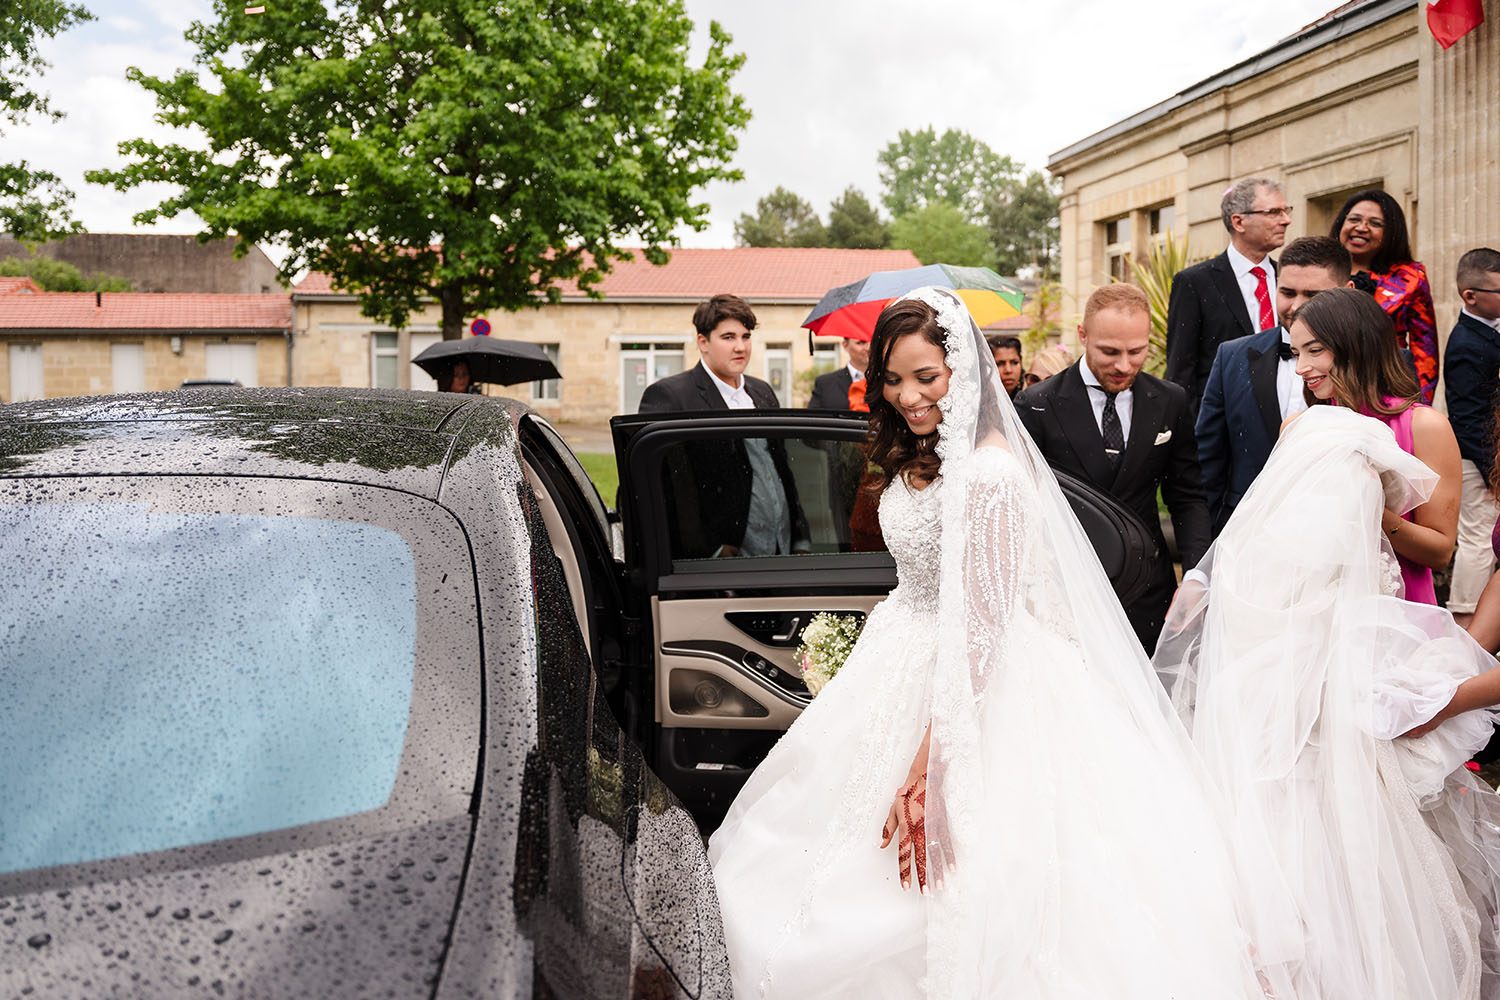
{"x":1367,"y":369}
{"x":891,"y":445}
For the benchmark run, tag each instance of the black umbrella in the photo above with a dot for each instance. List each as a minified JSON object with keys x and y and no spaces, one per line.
{"x":499,"y":362}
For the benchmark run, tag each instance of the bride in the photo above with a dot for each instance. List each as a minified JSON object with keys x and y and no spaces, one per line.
{"x":992,"y":798}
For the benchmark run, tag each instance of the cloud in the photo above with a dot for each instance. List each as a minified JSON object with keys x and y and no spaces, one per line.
{"x":830,"y":82}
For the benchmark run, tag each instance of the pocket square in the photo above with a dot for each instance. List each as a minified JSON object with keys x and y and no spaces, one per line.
{"x":1162,"y":438}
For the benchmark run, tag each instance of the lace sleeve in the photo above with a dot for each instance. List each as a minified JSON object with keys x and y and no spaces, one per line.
{"x":994,"y":561}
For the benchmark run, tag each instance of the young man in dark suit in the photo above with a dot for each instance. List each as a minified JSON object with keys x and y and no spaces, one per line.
{"x":1127,"y":434}
{"x":743,"y":490}
{"x":831,"y":389}
{"x":1253,"y":385}
{"x":1230,"y":295}
{"x":1471,"y":372}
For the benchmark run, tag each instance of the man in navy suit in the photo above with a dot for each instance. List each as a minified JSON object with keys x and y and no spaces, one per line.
{"x":831,"y":389}
{"x":1230,"y":295}
{"x":1471,"y":372}
{"x":1252,"y":386}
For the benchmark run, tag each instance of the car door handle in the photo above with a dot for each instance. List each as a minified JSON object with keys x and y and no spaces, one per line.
{"x":791,"y":630}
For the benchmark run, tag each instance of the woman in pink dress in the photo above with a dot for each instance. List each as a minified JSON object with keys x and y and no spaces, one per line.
{"x":1346,"y":355}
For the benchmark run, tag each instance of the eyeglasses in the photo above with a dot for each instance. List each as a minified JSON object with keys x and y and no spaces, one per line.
{"x":1492,"y":291}
{"x":1369,"y":222}
{"x":1285,"y":211}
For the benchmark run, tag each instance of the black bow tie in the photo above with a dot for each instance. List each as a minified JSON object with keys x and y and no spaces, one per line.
{"x":1283,"y":350}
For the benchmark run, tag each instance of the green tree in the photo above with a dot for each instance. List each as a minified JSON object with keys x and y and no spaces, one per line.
{"x":939,"y":234}
{"x":1024,"y":224}
{"x":854,"y":223}
{"x":441,"y":149}
{"x":33,"y":203}
{"x":782,"y":219}
{"x":60,"y":276}
{"x":921,"y":168}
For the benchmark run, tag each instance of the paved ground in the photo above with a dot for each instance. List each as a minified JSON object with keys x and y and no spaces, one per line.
{"x":587,"y":437}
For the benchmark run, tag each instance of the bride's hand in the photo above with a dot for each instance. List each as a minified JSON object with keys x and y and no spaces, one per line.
{"x":907,"y":818}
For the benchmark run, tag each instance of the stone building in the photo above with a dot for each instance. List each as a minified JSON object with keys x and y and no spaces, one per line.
{"x":156,"y":262}
{"x":1362,"y":97}
{"x":84,"y":343}
{"x":609,"y":349}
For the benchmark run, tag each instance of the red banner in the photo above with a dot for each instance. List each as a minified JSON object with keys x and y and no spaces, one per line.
{"x":1450,"y":20}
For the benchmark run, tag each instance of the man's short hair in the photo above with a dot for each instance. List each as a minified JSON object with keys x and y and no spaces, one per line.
{"x":1240,"y":198}
{"x":1120,"y":295}
{"x":716,"y":310}
{"x":1003,"y":340}
{"x":1318,"y":251}
{"x":1474,"y":265}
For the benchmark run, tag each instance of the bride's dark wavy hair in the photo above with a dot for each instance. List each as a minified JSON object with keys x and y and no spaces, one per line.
{"x":891,"y":445}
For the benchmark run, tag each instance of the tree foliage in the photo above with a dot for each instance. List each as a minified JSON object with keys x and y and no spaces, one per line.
{"x":1024,"y":225}
{"x":434,"y":150}
{"x":923,"y":168}
{"x":33,"y":203}
{"x":782,"y":219}
{"x":853,"y":223}
{"x":60,"y":276}
{"x":939,"y":234}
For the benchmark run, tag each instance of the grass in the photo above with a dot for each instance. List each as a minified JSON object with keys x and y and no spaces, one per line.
{"x":600,"y":465}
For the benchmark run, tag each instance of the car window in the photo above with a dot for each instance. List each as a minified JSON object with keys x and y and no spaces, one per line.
{"x":748,"y":497}
{"x":177,"y":671}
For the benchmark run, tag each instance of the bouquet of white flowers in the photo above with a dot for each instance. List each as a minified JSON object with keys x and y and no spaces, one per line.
{"x":826,"y":643}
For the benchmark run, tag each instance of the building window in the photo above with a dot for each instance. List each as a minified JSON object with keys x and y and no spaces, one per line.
{"x":419,"y":342}
{"x":779,"y":371}
{"x":25,"y":372}
{"x":384,"y":361}
{"x":234,"y":362}
{"x":548,"y":390}
{"x":643,"y":364}
{"x":1163,"y":218}
{"x":825,"y":356}
{"x":128,"y":363}
{"x":1117,"y":248}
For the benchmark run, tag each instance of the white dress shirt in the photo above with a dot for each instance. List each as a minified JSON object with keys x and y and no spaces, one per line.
{"x":1124,"y":401}
{"x":1288,"y":386}
{"x":855,"y":373}
{"x":1241,"y":266}
{"x":768,"y":525}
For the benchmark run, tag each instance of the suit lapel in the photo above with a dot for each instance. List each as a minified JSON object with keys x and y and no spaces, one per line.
{"x":707,"y":391}
{"x":1229,"y":291}
{"x":1263,"y":370}
{"x":1075,"y":412}
{"x":1145,"y":417}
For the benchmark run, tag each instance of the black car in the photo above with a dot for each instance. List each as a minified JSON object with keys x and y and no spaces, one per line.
{"x":384,"y":733}
{"x":294,"y":702}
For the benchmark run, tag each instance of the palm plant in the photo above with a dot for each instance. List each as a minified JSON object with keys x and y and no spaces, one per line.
{"x":1154,"y":276}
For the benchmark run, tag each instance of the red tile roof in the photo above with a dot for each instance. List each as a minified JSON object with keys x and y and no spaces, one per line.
{"x":18,"y":285}
{"x":756,"y":273}
{"x":181,"y":311}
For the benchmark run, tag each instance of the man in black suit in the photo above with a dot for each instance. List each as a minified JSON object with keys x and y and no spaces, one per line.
{"x":1471,"y":372}
{"x":1253,"y":385}
{"x":831,"y":389}
{"x":1125,"y":433}
{"x":737,"y":497}
{"x":1229,"y":295}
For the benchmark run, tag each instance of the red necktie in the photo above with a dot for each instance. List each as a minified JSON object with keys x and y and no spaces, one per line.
{"x":1263,"y":299}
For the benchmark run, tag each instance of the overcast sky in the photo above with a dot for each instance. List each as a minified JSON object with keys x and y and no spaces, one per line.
{"x":830,"y":82}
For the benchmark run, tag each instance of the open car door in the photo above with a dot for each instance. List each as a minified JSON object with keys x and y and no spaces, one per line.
{"x":714,"y":655}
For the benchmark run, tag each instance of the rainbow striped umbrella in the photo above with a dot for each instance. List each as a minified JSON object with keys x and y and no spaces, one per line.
{"x":850,"y":311}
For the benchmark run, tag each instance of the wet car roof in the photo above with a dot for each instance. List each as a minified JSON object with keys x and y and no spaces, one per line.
{"x":384,"y":437}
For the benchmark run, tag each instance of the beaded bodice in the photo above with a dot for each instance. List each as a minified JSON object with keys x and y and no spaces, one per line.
{"x":909,"y":520}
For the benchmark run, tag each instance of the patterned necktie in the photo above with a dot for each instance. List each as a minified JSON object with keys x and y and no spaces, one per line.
{"x":1263,"y":299}
{"x":1112,"y":432}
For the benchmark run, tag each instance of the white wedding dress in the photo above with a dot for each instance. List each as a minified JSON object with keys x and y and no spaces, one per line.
{"x":1078,"y":852}
{"x":1373,"y":859}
